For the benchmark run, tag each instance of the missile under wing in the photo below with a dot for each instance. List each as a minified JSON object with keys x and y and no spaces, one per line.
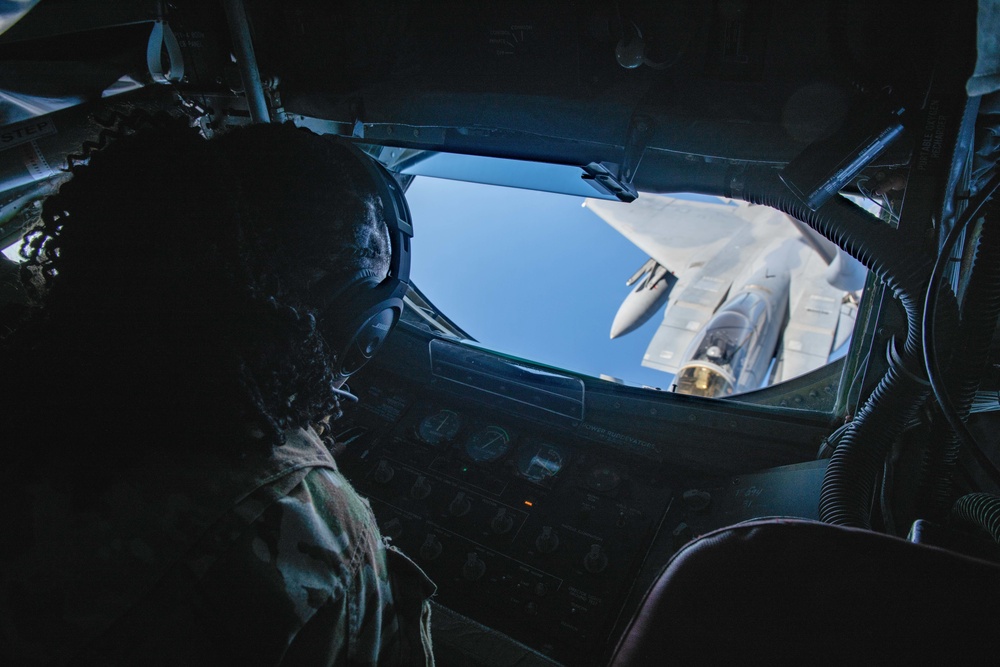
{"x":750,"y":285}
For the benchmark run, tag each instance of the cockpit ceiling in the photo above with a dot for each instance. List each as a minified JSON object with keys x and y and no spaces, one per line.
{"x":553,"y":81}
{"x":739,"y":80}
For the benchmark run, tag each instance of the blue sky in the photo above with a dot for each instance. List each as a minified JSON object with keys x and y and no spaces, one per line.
{"x":529,"y":273}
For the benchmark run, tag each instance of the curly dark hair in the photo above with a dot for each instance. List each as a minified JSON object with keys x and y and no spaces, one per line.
{"x":173,"y":275}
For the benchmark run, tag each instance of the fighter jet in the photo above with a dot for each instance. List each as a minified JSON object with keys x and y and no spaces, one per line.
{"x":752,"y":296}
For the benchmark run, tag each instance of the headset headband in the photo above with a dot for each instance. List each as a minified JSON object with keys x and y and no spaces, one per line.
{"x":368,"y":310}
{"x":395,"y":210}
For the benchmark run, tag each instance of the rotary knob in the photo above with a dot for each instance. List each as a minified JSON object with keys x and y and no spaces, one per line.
{"x":460,"y":505}
{"x":474,"y":568}
{"x":384,"y":472}
{"x":547,"y":541}
{"x":502,"y":522}
{"x":697,"y":500}
{"x":421,"y":488}
{"x":595,"y":561}
{"x":431,"y":548}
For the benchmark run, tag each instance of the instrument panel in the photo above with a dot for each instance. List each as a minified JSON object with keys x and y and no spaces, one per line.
{"x":548,"y":525}
{"x":528,"y":530}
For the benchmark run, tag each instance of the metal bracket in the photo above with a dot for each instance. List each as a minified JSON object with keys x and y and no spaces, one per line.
{"x":640,"y":129}
{"x":607,"y":181}
{"x":616,"y":180}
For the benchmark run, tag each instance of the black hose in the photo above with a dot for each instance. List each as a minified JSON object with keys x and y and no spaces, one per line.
{"x":898,"y":262}
{"x":848,"y":486}
{"x":979,"y":510}
{"x":904,"y":266}
{"x":857,"y":464}
{"x":933,"y":497}
{"x":979,"y":313}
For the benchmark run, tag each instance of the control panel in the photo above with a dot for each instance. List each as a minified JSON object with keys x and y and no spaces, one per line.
{"x":525,"y":528}
{"x":544,"y":506}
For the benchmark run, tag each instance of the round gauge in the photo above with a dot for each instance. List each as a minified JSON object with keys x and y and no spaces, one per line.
{"x":488,"y":444}
{"x":603,"y":478}
{"x":540,"y":462}
{"x":440,"y":427}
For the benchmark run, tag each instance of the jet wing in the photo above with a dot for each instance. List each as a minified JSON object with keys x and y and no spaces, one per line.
{"x":675,"y":232}
{"x":709,"y":246}
{"x":815,"y":313}
{"x":694,"y":240}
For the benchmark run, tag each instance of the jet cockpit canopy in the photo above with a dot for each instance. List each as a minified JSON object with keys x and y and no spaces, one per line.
{"x":718,"y":355}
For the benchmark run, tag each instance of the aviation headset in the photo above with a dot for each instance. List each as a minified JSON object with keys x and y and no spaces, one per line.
{"x":366,"y":310}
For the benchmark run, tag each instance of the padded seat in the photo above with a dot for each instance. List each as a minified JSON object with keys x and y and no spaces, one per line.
{"x":788,"y":591}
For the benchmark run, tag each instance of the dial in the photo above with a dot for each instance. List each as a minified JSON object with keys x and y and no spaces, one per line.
{"x":440,"y":427}
{"x":488,"y":445}
{"x":540,"y":462}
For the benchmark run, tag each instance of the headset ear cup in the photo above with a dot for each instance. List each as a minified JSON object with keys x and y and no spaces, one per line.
{"x":368,"y":339}
{"x":377,"y":309}
{"x":376,"y":306}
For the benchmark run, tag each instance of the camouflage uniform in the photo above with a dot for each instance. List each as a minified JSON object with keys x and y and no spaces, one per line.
{"x":13,"y":299}
{"x":197,"y":559}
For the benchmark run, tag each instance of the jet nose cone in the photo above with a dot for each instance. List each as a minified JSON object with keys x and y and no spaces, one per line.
{"x":632,"y":313}
{"x":620,"y":326}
